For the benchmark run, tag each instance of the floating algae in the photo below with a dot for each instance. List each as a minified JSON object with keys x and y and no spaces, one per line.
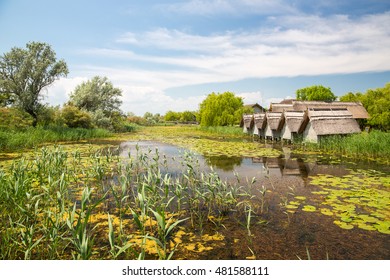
{"x":360,"y":199}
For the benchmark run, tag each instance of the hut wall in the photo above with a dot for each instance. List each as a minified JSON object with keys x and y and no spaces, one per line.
{"x":309,"y":134}
{"x":286,"y":132}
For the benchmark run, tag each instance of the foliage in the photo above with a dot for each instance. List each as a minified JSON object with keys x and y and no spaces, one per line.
{"x":151,"y":119}
{"x":185,"y":117}
{"x":220,"y":109}
{"x":377,"y":104}
{"x":25,"y":73}
{"x":14,"y":119}
{"x":374,"y":145}
{"x":32,"y":137}
{"x":74,"y":117}
{"x":315,"y":93}
{"x":97,"y":94}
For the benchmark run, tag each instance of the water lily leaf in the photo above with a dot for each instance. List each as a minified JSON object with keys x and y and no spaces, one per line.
{"x":309,"y":208}
{"x":343,"y":225}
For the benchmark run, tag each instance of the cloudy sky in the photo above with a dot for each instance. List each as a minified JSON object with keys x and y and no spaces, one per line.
{"x":168,"y":55}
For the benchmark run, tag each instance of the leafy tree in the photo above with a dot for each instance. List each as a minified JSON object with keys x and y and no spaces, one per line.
{"x":171,"y":116}
{"x":188,"y":116}
{"x":220,"y":109}
{"x":97,"y":94}
{"x":377,"y":104}
{"x":315,"y":93}
{"x":74,"y":117}
{"x":24,"y":73}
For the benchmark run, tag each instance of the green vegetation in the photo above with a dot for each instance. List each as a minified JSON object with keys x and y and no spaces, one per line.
{"x":221,"y":109}
{"x":377,"y":104}
{"x":24,"y":73}
{"x":32,"y":137}
{"x":315,"y":93}
{"x":86,"y":204}
{"x":374,"y":145}
{"x":359,"y":199}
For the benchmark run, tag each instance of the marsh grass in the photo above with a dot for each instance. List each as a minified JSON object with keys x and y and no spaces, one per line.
{"x":12,"y":140}
{"x":373,"y":145}
{"x":93,"y":204}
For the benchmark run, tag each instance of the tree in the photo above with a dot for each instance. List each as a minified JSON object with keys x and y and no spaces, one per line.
{"x":315,"y":93}
{"x":97,"y":94}
{"x":24,"y":73}
{"x":377,"y":104}
{"x":220,"y":109}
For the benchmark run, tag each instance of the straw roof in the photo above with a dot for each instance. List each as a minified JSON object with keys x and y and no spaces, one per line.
{"x":275,"y":120}
{"x":247,"y":121}
{"x":280,"y":107}
{"x":295,"y":120}
{"x":335,"y":126}
{"x":355,"y":108}
{"x":260,"y":120}
{"x":328,"y":113}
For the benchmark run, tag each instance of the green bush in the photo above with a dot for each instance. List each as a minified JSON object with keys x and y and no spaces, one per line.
{"x":74,"y":117}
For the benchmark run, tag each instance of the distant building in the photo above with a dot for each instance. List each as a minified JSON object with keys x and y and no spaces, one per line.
{"x":256,"y":108}
{"x":306,"y":120}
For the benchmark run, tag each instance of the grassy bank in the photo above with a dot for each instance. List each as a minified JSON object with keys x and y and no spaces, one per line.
{"x":11,"y":140}
{"x":373,"y":145}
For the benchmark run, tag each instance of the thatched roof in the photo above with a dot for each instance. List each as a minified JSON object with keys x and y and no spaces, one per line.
{"x":328,"y":113}
{"x":295,"y":120}
{"x":355,"y":108}
{"x":256,"y":105}
{"x":279,"y":107}
{"x":335,"y":126}
{"x":260,"y":120}
{"x":247,"y":121}
{"x":275,"y":120}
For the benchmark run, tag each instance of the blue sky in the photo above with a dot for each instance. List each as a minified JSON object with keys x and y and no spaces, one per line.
{"x":168,"y":55}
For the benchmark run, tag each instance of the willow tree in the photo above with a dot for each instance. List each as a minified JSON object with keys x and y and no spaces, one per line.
{"x":221,"y":109}
{"x":315,"y":93}
{"x":25,"y":73}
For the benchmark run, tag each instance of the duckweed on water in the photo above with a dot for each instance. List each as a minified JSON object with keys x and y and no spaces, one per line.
{"x":360,"y":199}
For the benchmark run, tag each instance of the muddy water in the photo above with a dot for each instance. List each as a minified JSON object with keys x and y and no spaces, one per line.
{"x":303,"y":215}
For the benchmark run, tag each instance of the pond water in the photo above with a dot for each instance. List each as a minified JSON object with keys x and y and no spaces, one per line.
{"x":321,"y":206}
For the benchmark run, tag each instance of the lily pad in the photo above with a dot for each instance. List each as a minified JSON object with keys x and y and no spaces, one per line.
{"x":309,"y":208}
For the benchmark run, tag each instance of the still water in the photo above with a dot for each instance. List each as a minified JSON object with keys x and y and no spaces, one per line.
{"x":316,"y":206}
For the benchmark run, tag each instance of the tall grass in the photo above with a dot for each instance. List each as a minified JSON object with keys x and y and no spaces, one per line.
{"x":11,"y":140}
{"x":375,"y":144}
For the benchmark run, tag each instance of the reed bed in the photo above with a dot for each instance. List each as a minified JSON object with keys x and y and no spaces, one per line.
{"x":374,"y":145}
{"x":94,"y":204}
{"x":11,"y":140}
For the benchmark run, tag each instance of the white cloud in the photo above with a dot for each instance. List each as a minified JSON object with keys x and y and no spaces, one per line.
{"x":288,"y":46}
{"x":58,"y":93}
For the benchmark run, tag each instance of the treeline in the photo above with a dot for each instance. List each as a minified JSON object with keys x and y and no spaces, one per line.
{"x":377,"y":104}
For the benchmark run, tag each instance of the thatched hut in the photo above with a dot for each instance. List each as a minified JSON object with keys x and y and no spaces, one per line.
{"x":355,"y":108}
{"x":275,"y":122}
{"x":326,"y":121}
{"x":295,"y":123}
{"x":259,"y":124}
{"x":247,"y":123}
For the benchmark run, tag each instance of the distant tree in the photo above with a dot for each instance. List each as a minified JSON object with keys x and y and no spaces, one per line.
{"x":220,"y":109}
{"x":24,"y":73}
{"x":97,"y":94}
{"x":172,"y":116}
{"x":315,"y":93}
{"x":377,"y":104}
{"x":188,"y":116}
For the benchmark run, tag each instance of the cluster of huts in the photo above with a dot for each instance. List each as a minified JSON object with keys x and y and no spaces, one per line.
{"x":304,"y":120}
